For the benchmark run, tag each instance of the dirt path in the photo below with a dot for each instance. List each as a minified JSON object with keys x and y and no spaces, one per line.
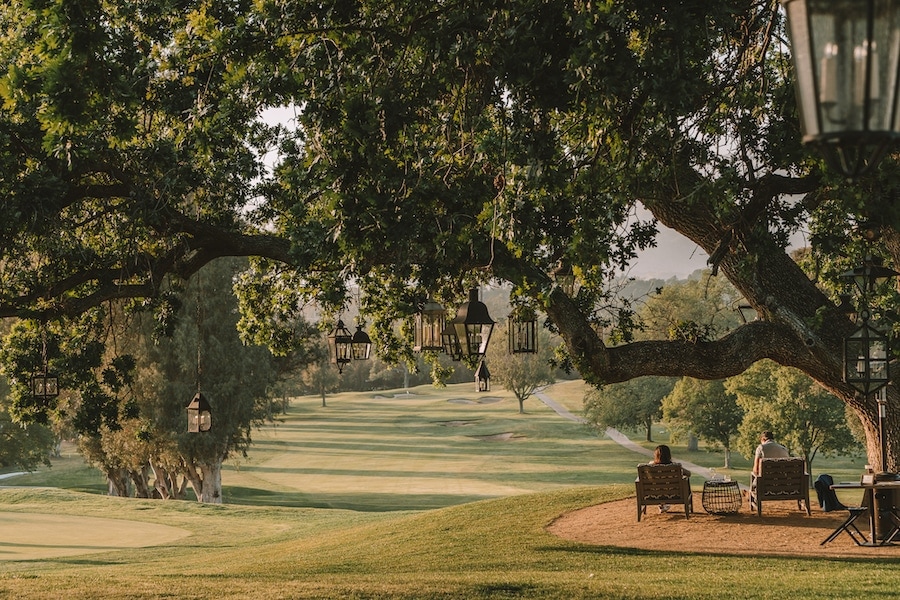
{"x":781,"y":531}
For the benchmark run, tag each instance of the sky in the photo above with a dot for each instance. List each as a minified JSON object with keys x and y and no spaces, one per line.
{"x":673,"y":256}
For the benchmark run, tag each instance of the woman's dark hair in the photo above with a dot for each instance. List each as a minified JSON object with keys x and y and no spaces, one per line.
{"x":662,"y":455}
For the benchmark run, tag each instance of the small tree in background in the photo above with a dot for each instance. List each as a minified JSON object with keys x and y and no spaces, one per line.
{"x":706,"y":409}
{"x":523,"y":373}
{"x":635,"y":403}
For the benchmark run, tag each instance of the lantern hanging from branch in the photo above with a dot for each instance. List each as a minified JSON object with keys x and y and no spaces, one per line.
{"x":482,"y":378}
{"x":473,"y":326}
{"x":522,"y":330}
{"x":44,"y":384}
{"x":360,"y":345}
{"x":199,"y":414}
{"x":430,"y":322}
{"x":846,"y":56}
{"x":340,"y":343}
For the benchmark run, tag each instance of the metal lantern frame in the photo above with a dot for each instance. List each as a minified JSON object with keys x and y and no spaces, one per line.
{"x":430,"y":323}
{"x":44,"y":384}
{"x":870,"y":275}
{"x":522,"y":330}
{"x":450,"y":343}
{"x":565,"y":278}
{"x":846,"y":56}
{"x":340,"y":346}
{"x":360,"y":344}
{"x":199,"y":414}
{"x":482,"y":378}
{"x":474,"y":326}
{"x":867,"y":359}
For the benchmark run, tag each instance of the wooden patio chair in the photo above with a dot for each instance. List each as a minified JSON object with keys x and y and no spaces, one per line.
{"x":663,"y":484}
{"x":780,"y":479}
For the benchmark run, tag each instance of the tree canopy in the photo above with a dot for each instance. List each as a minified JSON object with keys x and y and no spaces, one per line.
{"x":435,"y":146}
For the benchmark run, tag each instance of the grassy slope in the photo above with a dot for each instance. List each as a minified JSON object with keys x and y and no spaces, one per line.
{"x":285,"y":546}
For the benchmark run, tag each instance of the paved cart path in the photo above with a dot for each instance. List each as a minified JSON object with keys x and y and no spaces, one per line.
{"x":617,"y":436}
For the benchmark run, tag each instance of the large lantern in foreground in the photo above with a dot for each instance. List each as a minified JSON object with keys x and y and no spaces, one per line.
{"x":473,"y":326}
{"x":846,"y":56}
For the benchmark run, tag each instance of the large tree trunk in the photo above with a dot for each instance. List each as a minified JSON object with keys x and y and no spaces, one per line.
{"x":207,"y":482}
{"x":117,"y":482}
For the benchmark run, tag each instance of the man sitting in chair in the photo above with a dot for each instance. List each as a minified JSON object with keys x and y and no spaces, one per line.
{"x":768,"y":448}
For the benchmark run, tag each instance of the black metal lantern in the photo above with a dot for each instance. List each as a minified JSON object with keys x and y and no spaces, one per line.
{"x":846,"y":56}
{"x":340,"y":343}
{"x":473,"y":326}
{"x":867,"y":359}
{"x":360,"y":345}
{"x":522,"y":330}
{"x":45,"y":385}
{"x":871,"y":274}
{"x":199,"y":414}
{"x":565,"y":278}
{"x":429,"y":327}
{"x":482,"y":378}
{"x":450,"y":343}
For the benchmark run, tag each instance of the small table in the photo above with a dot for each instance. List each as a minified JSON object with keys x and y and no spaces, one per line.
{"x":870,"y":506}
{"x":721,"y":497}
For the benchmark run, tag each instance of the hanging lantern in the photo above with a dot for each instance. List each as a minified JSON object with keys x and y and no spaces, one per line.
{"x":565,"y":278}
{"x":199,"y":414}
{"x":522,"y":330}
{"x":482,"y":378}
{"x":450,"y":343}
{"x":867,"y":359}
{"x":340,"y":343}
{"x":45,"y":385}
{"x":870,"y":275}
{"x":846,"y":57}
{"x":429,"y":327}
{"x":360,"y":345}
{"x":473,"y":326}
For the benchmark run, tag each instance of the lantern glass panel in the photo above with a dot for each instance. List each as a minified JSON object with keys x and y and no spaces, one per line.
{"x":450,"y":343}
{"x":866,"y":359}
{"x":849,"y":61}
{"x":476,"y":336}
{"x":340,"y":345}
{"x":361,"y":345}
{"x":522,"y":335}
{"x":429,"y":326}
{"x":845,"y":54}
{"x":45,"y":385}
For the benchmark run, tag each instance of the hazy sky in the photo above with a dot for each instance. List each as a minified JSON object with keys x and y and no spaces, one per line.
{"x":674,"y":256}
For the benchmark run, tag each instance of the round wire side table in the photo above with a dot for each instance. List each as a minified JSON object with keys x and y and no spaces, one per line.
{"x":721,"y":497}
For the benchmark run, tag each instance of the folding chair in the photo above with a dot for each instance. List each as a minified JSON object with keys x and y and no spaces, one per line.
{"x":849,"y":526}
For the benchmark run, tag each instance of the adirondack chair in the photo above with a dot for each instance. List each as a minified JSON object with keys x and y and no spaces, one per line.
{"x":780,"y":479}
{"x":663,"y":484}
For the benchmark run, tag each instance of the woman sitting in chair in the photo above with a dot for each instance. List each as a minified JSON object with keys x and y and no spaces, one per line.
{"x":662,"y":455}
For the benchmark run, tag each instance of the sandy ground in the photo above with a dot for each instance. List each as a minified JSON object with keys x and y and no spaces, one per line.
{"x":783,"y":530}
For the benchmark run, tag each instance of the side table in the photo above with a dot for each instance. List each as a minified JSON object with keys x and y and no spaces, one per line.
{"x":721,"y":497}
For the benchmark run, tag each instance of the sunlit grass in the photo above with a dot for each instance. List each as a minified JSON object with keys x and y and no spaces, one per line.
{"x":395,"y":495}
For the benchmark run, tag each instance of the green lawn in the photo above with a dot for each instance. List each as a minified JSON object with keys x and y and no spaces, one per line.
{"x":435,"y":494}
